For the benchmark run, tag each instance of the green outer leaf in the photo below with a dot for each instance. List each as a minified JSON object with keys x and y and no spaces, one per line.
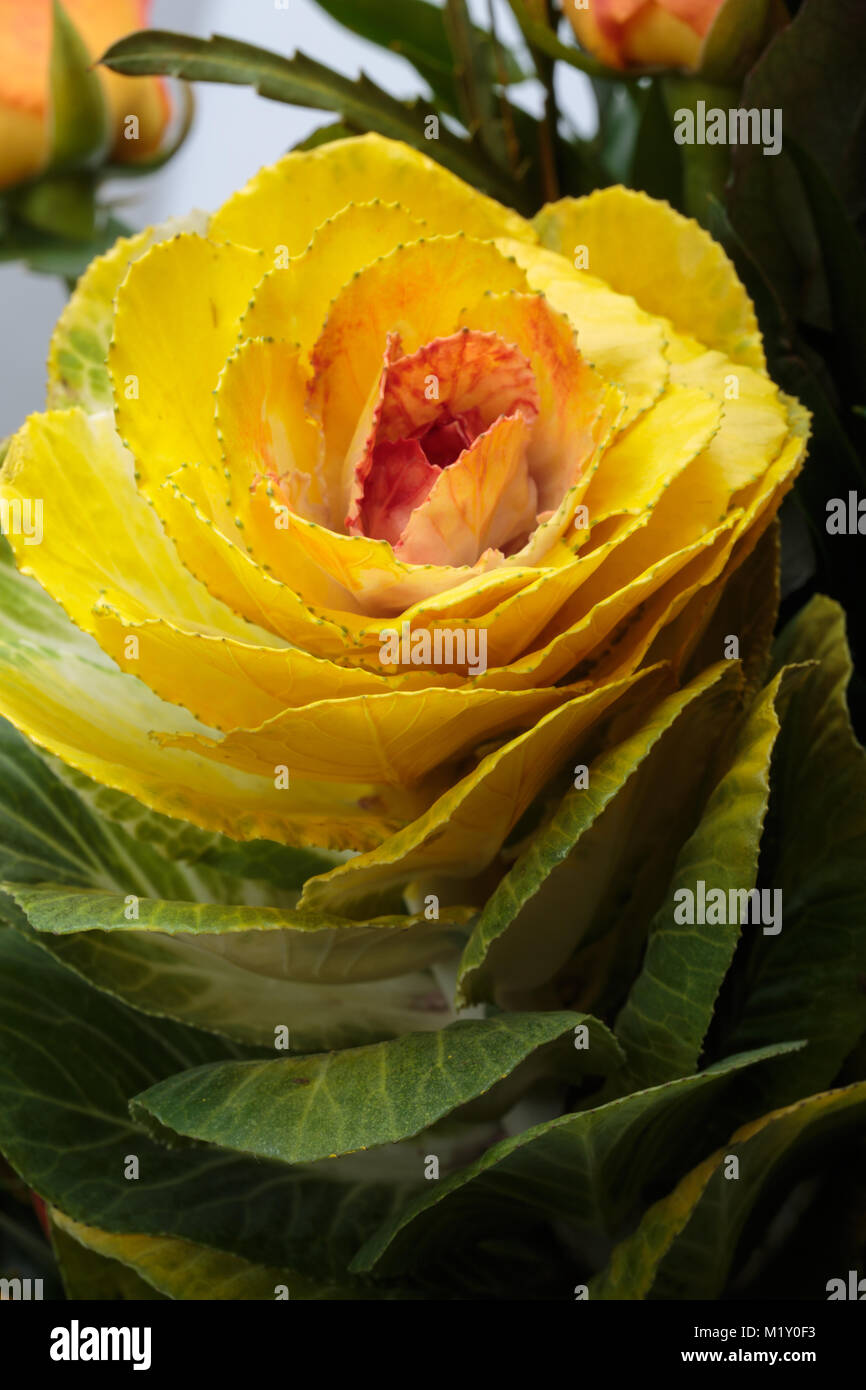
{"x":180,"y":840}
{"x":705,"y":168}
{"x":686,"y":1244}
{"x":90,"y":1274}
{"x":70,"y":1060}
{"x":285,"y":865}
{"x":47,"y":832}
{"x":736,"y":36}
{"x":279,"y":943}
{"x":80,"y":121}
{"x":585,"y":1168}
{"x":172,"y":977}
{"x":301,"y":81}
{"x":813,"y":972}
{"x":308,"y":1108}
{"x":820,"y":51}
{"x":670,"y":1006}
{"x":163,"y":1266}
{"x":549,"y":898}
{"x":656,"y":165}
{"x":844,"y":259}
{"x":247,"y":971}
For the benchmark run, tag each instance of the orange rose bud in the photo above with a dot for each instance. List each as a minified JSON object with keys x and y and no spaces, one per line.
{"x":644,"y":33}
{"x":25,"y":91}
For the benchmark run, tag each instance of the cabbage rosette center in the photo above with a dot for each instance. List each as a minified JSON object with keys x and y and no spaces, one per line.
{"x":366,"y":513}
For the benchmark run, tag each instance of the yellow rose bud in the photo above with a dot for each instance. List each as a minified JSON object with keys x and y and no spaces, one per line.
{"x":25,"y":96}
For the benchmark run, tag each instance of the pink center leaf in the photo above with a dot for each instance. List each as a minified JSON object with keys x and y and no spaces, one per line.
{"x":399,"y":481}
{"x":435,"y":410}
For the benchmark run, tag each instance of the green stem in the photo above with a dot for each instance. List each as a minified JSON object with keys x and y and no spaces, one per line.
{"x":512,"y":144}
{"x":547,"y":129}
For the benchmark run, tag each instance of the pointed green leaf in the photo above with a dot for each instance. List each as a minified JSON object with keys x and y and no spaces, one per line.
{"x":685,"y":1245}
{"x":665,"y":1019}
{"x":811,"y":976}
{"x":586,"y":1169}
{"x":307,"y":1108}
